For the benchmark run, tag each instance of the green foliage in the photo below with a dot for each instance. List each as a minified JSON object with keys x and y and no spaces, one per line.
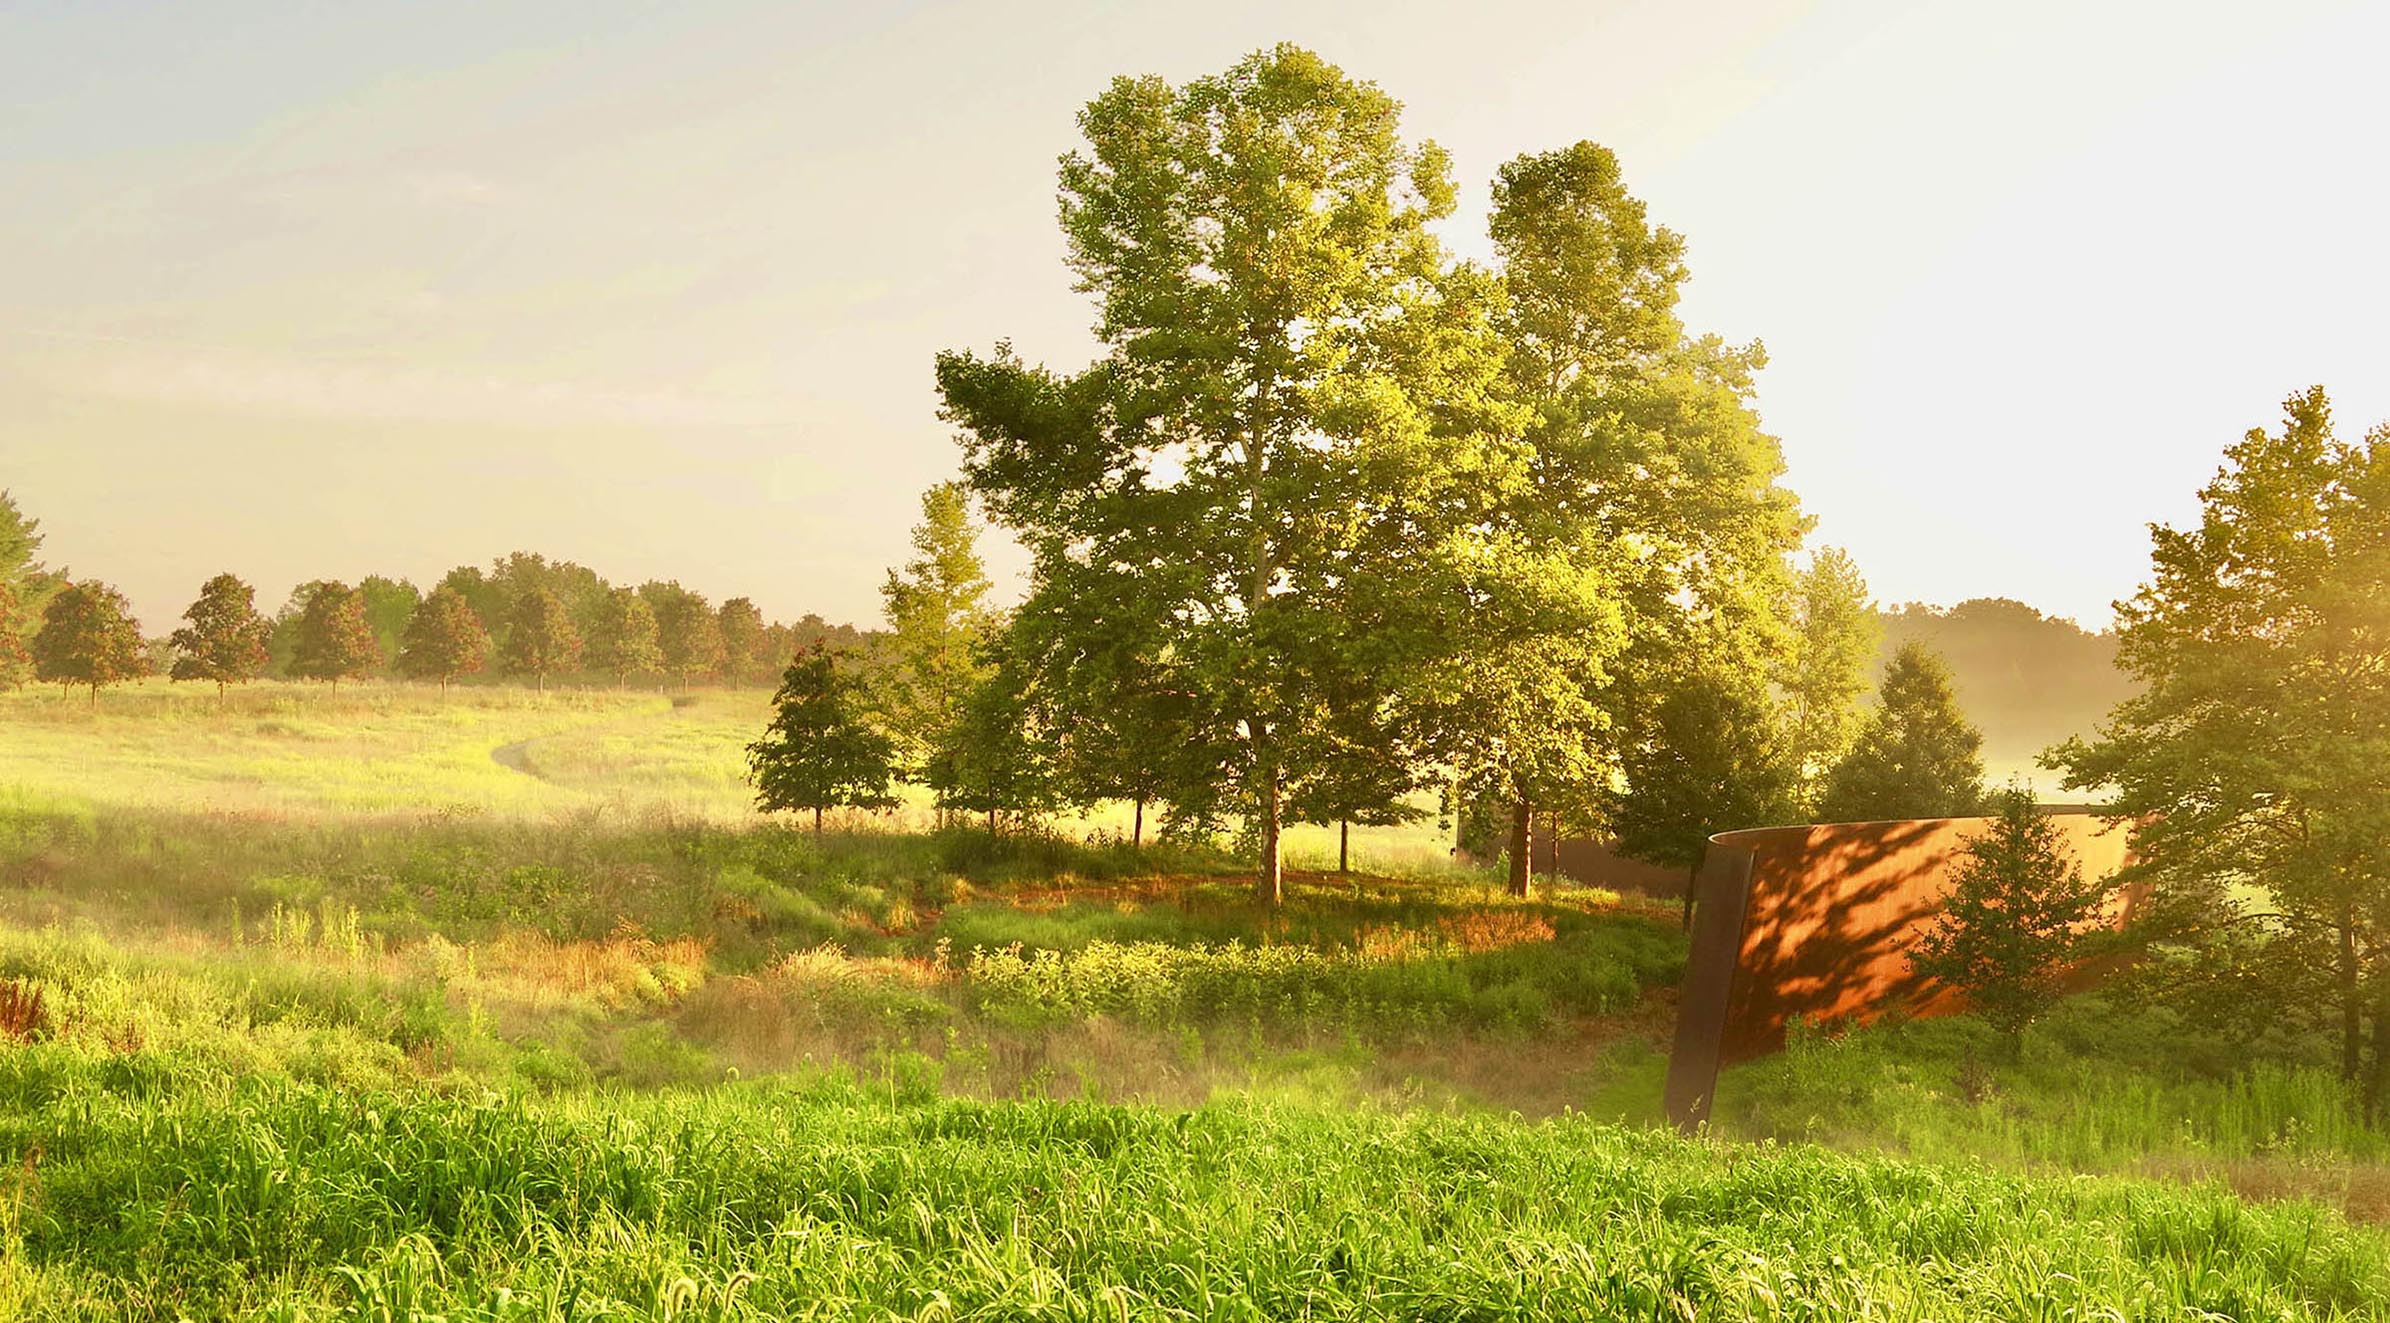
{"x":330,"y":637}
{"x":225,"y":640}
{"x":178,"y":1195}
{"x":1835,"y":635}
{"x":389,"y":605}
{"x":688,"y":633}
{"x":88,"y":637}
{"x":996,"y":755}
{"x":443,"y":639}
{"x":2251,"y":760}
{"x":16,"y":660}
{"x":1704,"y":754}
{"x":2028,"y":680}
{"x":540,"y":637}
{"x":2013,"y":919}
{"x":740,"y":625}
{"x":25,"y":577}
{"x":622,"y":637}
{"x":928,"y":662}
{"x":1917,"y":756}
{"x":822,"y":750}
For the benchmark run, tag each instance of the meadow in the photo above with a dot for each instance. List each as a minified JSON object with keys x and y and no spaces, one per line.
{"x":380,"y":1003}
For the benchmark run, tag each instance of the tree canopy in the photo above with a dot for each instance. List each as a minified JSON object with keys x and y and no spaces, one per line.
{"x":540,"y":638}
{"x":1916,"y":757}
{"x":443,"y":639}
{"x":224,"y":639}
{"x":2251,"y":762}
{"x":88,"y":637}
{"x":331,"y":639}
{"x":821,"y":750}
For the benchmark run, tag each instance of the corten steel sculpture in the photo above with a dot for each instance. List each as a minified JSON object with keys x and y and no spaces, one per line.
{"x":1816,"y":923}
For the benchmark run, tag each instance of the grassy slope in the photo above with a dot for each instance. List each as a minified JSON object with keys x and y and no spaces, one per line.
{"x":278,"y":937}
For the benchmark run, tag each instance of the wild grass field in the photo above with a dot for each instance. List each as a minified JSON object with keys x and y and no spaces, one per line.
{"x":380,"y":1003}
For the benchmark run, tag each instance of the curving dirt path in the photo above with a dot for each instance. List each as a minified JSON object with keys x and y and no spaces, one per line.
{"x":516,"y":757}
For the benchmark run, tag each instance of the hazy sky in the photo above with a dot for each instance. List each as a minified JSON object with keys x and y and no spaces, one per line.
{"x":326,"y":290}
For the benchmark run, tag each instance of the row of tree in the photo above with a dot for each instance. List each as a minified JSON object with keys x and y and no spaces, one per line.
{"x":1336,"y":519}
{"x":526,"y":618}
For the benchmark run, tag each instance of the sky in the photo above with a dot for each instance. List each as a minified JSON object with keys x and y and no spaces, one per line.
{"x":322,"y":291}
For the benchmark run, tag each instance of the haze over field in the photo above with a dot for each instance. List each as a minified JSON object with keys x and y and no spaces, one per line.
{"x":665,"y":280}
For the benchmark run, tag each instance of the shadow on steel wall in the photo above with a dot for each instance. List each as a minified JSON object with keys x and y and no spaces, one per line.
{"x":1816,"y":922}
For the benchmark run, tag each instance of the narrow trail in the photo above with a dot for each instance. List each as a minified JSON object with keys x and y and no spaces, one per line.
{"x":516,"y":757}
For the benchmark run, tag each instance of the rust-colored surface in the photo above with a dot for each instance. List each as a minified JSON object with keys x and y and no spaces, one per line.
{"x":1821,"y":930}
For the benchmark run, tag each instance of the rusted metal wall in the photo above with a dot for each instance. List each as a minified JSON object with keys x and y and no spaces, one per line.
{"x":1816,"y":923}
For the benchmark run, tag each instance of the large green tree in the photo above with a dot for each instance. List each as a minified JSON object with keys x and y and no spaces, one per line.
{"x":330,"y":638}
{"x":1651,"y":515}
{"x":1834,"y":640}
{"x":224,"y":637}
{"x":622,"y":637}
{"x":1917,"y":756}
{"x":930,"y":659}
{"x":389,"y":604}
{"x":1289,"y":421}
{"x":540,"y":638}
{"x":2252,"y":763}
{"x":88,"y":637}
{"x":822,"y":749}
{"x":443,"y":639}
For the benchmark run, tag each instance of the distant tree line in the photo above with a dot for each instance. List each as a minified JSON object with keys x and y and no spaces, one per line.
{"x":525,"y":619}
{"x":1336,"y":521}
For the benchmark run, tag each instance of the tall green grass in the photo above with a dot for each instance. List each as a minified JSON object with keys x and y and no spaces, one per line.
{"x":213,"y":1199}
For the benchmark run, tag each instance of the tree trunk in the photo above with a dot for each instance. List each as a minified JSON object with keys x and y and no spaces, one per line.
{"x":1269,"y":881}
{"x":991,"y":822}
{"x":95,"y":696}
{"x":1344,"y":845}
{"x":1692,"y":876}
{"x":1522,"y":843}
{"x":1552,"y":834}
{"x":2351,"y":1035}
{"x":817,"y":819}
{"x":1137,"y":826}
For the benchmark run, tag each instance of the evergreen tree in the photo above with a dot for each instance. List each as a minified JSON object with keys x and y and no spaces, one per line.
{"x":540,"y":638}
{"x":443,"y":639}
{"x":1835,"y":632}
{"x":929,"y":660}
{"x":622,"y":637}
{"x":331,"y":640}
{"x":1704,"y":753}
{"x":741,"y":628}
{"x":821,"y":750}
{"x":2013,"y":919}
{"x":16,"y":660}
{"x":88,"y":637}
{"x":225,"y":639}
{"x":1917,"y":756}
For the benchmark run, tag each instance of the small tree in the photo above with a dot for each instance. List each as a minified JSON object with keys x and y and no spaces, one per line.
{"x":622,"y":637}
{"x":88,"y":637}
{"x":1917,"y":757}
{"x":16,"y":662}
{"x":332,"y":640}
{"x":389,"y":605}
{"x":539,"y":637}
{"x":740,"y":626}
{"x":821,"y":750}
{"x":2013,"y":919}
{"x":225,"y":640}
{"x":443,"y":639}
